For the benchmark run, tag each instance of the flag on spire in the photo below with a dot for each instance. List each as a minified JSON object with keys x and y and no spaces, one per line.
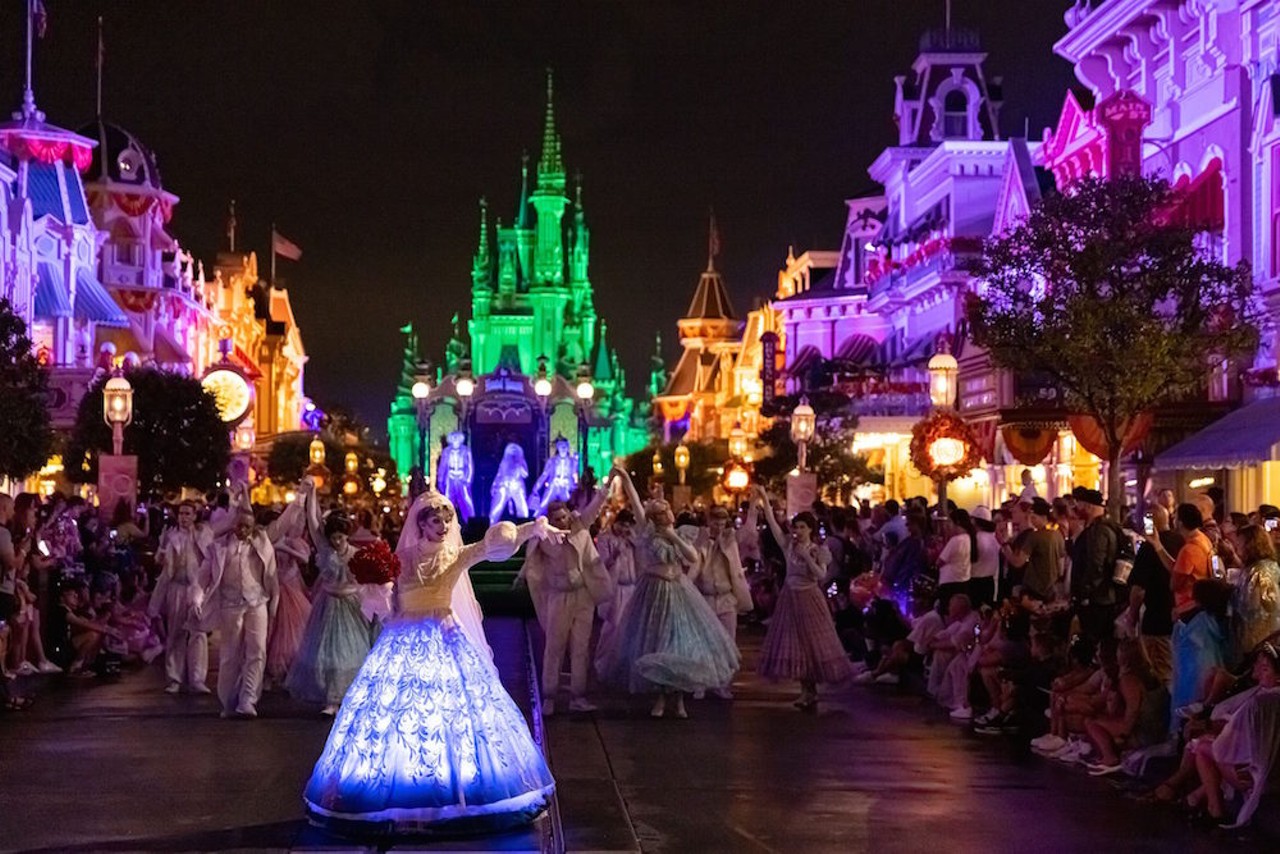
{"x":40,"y":18}
{"x":713,"y":243}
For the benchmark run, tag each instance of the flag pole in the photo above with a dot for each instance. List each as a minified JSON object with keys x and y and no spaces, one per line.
{"x":28,"y":97}
{"x":273,"y":254}
{"x":100,"y":58}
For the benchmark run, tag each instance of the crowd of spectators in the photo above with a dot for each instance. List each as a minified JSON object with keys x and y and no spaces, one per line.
{"x":1113,"y":647}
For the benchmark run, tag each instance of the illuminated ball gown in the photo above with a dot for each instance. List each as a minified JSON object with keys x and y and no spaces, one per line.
{"x":427,"y":739}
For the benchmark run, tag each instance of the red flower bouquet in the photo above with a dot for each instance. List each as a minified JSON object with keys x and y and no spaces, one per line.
{"x":375,"y":564}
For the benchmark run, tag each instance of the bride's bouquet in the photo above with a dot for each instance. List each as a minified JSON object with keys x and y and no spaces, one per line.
{"x":375,"y":564}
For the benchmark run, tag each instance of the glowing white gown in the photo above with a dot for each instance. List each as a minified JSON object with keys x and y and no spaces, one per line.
{"x":427,"y":738}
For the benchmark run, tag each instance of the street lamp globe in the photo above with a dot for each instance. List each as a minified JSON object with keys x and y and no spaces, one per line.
{"x":421,"y":389}
{"x":737,"y":442}
{"x":657,"y":462}
{"x":803,"y":421}
{"x":351,"y":462}
{"x":736,"y":478}
{"x":682,"y":456}
{"x":245,"y":437}
{"x":943,"y":370}
{"x":316,"y":451}
{"x":542,"y":382}
{"x":465,"y":386}
{"x":117,"y":401}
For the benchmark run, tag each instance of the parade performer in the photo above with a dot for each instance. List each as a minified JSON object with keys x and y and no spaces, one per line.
{"x":668,"y":640}
{"x":566,"y":581}
{"x":617,"y":549}
{"x":336,"y":641}
{"x":559,"y":477}
{"x":463,"y":602}
{"x":176,"y":600}
{"x":292,"y":553}
{"x":801,"y":642}
{"x":241,"y":600}
{"x":508,"y":485}
{"x":721,"y":578}
{"x":427,"y":739}
{"x":454,"y":473}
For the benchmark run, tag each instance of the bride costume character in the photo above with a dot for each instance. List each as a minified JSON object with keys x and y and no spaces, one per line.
{"x":508,"y":485}
{"x":454,"y":473}
{"x":463,"y":602}
{"x":427,"y":739}
{"x":560,"y":476}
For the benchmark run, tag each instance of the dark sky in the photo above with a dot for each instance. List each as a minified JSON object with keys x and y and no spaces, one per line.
{"x":368,"y":130}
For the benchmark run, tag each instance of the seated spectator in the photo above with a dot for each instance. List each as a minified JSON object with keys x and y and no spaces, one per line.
{"x":907,"y":655}
{"x":1025,"y":686}
{"x":955,"y":638}
{"x":1137,"y":713}
{"x":1008,"y":653}
{"x":1242,"y":756}
{"x":86,"y":634}
{"x":1075,"y":696}
{"x":1199,"y":642}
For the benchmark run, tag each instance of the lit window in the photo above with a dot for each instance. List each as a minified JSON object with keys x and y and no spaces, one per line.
{"x":955,"y":115}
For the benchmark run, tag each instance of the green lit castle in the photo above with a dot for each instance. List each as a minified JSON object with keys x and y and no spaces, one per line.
{"x":532,"y":316}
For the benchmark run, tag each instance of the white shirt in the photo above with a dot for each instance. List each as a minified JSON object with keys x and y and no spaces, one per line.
{"x":988,"y":563}
{"x":953,"y":562}
{"x":240,"y":587}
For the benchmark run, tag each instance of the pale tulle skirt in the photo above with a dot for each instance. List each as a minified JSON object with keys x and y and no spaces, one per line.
{"x":334,"y":646}
{"x":802,"y":642}
{"x":291,"y":622}
{"x":427,"y":738}
{"x":667,"y":637}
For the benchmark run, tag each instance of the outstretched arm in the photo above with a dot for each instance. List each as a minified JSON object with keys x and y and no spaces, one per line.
{"x":637,"y":506}
{"x":591,"y":512}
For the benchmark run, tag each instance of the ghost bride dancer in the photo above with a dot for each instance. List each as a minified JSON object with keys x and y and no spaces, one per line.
{"x":508,"y":485}
{"x":560,"y":476}
{"x":427,"y":739}
{"x":454,"y":473}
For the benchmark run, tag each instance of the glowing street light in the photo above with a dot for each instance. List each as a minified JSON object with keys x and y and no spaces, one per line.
{"x":803,"y":423}
{"x":464,"y":384}
{"x":737,"y":442}
{"x":542,"y":382}
{"x":682,"y":460}
{"x":586,"y":391}
{"x":943,"y":370}
{"x":117,"y":409}
{"x":316,"y":452}
{"x":245,"y":437}
{"x":657,"y":462}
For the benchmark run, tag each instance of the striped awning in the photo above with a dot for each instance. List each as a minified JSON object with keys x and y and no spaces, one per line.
{"x":51,"y":293}
{"x":93,"y":303}
{"x":859,"y":349}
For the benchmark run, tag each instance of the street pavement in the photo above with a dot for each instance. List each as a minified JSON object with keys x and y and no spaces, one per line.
{"x":120,"y":766}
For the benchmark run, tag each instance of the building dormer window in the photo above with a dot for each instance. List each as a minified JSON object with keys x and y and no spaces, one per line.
{"x":955,"y":115}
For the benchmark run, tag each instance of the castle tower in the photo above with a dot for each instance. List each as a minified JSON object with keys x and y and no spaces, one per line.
{"x":548,"y":294}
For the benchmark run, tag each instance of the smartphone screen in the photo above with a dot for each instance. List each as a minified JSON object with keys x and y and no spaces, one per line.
{"x":1216,"y":563}
{"x":42,"y":547}
{"x":1271,"y":524}
{"x":1148,"y":525}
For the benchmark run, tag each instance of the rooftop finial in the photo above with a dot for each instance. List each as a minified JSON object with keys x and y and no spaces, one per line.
{"x":713,"y":243}
{"x":577,"y":190}
{"x":483,"y":251}
{"x":522,"y":211}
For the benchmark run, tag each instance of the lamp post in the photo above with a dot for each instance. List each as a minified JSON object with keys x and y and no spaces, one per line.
{"x":803,"y":421}
{"x":802,"y":486}
{"x":682,"y":460}
{"x":943,"y":372}
{"x":117,"y":473}
{"x":737,"y":442}
{"x":542,"y":387}
{"x":117,"y":409}
{"x":465,"y":386}
{"x":586,"y":393}
{"x":421,"y":390}
{"x":317,"y":471}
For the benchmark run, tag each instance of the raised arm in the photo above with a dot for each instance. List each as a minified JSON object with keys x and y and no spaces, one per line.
{"x":778,"y":534}
{"x":633,"y":497}
{"x":591,"y":512}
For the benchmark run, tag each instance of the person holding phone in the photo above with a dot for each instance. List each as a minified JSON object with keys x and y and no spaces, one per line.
{"x":1193,"y":562}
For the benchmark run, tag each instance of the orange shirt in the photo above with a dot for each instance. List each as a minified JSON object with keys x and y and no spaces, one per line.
{"x":1191,"y":565}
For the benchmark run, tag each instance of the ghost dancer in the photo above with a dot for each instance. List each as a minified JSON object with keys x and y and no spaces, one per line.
{"x":508,"y":485}
{"x":559,"y":477}
{"x":454,"y":472}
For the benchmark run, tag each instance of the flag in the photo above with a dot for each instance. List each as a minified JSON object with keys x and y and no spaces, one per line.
{"x":40,"y":18}
{"x":284,"y":247}
{"x":714,"y":240}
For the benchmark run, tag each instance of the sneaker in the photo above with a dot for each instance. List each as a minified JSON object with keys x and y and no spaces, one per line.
{"x":994,"y":726}
{"x":888,"y":679}
{"x":1048,"y":743}
{"x":200,"y":689}
{"x":172,"y":688}
{"x":986,"y":717}
{"x":582,"y":704}
{"x":548,"y":707}
{"x":47,"y":666}
{"x":1102,"y":769}
{"x":864,"y":678}
{"x":1072,"y":753}
{"x":963,"y":713}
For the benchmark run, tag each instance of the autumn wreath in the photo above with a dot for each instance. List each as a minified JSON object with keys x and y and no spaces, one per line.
{"x":943,"y":446}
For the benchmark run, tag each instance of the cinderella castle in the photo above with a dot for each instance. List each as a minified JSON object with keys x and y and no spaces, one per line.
{"x":532,"y":341}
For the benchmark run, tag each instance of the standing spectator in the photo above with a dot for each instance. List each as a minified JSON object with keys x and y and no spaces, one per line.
{"x":905,"y":559}
{"x":1199,"y":642}
{"x":956,"y":559}
{"x":1036,"y":552}
{"x":1193,"y":562}
{"x":983,"y":572}
{"x":12,"y":555}
{"x":1093,"y":558}
{"x":1257,"y":596}
{"x":1028,"y":487}
{"x":895,"y":524}
{"x":1150,"y":612}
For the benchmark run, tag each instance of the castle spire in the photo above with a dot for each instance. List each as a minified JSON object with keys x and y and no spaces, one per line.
{"x":550,"y":166}
{"x":480,"y":264}
{"x":604,"y":366}
{"x":713,"y":242}
{"x":522,"y":212}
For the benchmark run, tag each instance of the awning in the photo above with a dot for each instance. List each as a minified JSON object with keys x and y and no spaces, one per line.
{"x":1245,"y":437}
{"x":94,"y":303}
{"x":51,"y":296}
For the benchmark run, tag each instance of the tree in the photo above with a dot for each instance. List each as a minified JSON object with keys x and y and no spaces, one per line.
{"x":26,"y":436}
{"x":1102,"y":291}
{"x":701,"y":476}
{"x":176,"y":433}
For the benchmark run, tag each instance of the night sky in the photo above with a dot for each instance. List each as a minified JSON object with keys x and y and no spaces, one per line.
{"x":368,"y":131}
